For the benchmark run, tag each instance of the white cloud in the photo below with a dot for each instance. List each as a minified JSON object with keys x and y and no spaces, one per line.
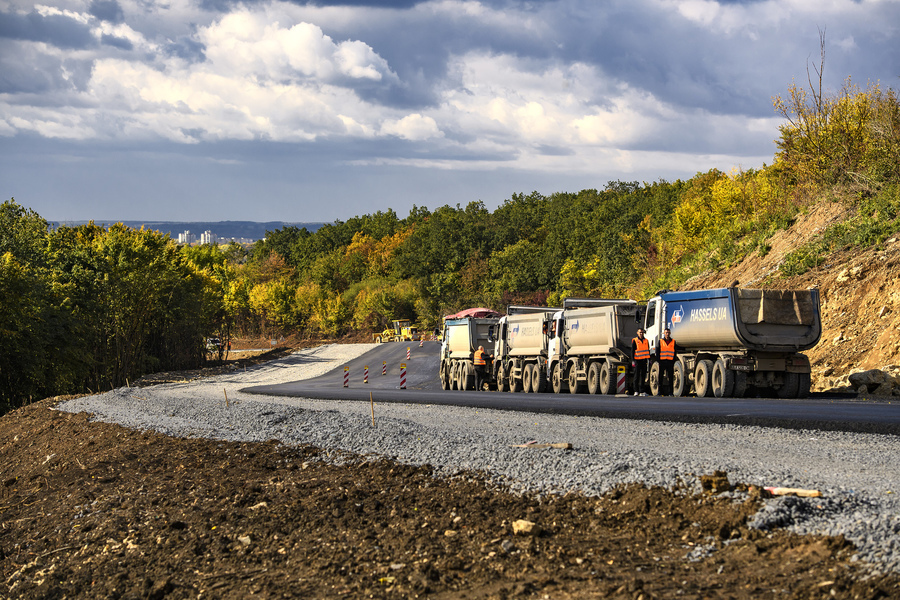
{"x":413,"y":127}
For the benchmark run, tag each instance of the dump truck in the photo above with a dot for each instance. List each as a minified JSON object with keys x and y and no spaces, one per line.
{"x":733,"y":340}
{"x":520,"y":349}
{"x":590,"y":339}
{"x":463,"y":333}
{"x":401,"y":331}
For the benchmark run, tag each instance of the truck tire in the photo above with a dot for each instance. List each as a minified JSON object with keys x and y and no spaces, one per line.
{"x":594,"y":378}
{"x":654,"y":379}
{"x":575,"y":386}
{"x":445,"y":379}
{"x":502,"y":380}
{"x":606,"y":380}
{"x":791,"y":386}
{"x":680,"y":385}
{"x":526,"y":379}
{"x":467,"y":376}
{"x":515,"y":385}
{"x":805,"y":384}
{"x":557,"y":379}
{"x":538,"y":380}
{"x":740,"y":384}
{"x":378,"y":339}
{"x":703,"y":378}
{"x":722,"y":380}
{"x":453,"y":376}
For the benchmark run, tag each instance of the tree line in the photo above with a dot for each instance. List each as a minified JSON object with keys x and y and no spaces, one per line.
{"x":89,"y":308}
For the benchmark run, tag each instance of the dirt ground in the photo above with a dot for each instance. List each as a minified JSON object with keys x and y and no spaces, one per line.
{"x":92,"y":510}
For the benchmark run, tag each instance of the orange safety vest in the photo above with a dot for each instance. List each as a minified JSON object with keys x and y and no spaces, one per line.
{"x":479,"y":358}
{"x":643,"y":348}
{"x":666,"y":350}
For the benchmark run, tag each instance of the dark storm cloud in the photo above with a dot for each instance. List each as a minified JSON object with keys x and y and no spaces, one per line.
{"x":57,"y":30}
{"x":26,"y":71}
{"x":107,"y":10}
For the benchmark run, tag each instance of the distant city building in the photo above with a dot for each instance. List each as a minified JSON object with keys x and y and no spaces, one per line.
{"x":186,"y":238}
{"x":208,"y":237}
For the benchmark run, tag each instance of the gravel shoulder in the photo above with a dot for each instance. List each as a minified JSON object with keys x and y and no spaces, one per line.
{"x":856,"y":473}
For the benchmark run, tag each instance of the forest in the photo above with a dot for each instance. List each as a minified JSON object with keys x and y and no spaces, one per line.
{"x":90,"y":308}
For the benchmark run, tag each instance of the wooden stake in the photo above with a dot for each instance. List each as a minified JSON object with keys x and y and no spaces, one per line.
{"x":226,"y":397}
{"x":372,"y":404}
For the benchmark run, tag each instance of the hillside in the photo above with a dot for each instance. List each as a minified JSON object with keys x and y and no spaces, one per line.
{"x":860,"y":295}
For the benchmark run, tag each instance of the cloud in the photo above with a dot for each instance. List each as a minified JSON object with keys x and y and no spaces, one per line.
{"x":107,"y":10}
{"x":413,"y":127}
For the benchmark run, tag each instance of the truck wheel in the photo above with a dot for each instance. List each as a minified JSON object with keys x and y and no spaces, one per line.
{"x":740,"y":384}
{"x":791,"y":386}
{"x":575,"y":386}
{"x":445,"y":379}
{"x":679,"y":384}
{"x":453,"y":375}
{"x":467,"y":376}
{"x":538,"y":380}
{"x":526,"y":379}
{"x":703,"y":378}
{"x":557,"y":380}
{"x":515,"y":384}
{"x":606,"y":383}
{"x":502,"y":381}
{"x":378,"y":339}
{"x":722,"y":380}
{"x":594,"y":378}
{"x":805,"y":384}
{"x":654,"y":379}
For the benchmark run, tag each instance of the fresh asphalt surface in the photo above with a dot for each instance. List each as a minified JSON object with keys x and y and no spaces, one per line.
{"x":423,"y":386}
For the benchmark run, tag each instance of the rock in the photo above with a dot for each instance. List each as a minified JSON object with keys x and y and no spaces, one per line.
{"x":715,"y":483}
{"x":867,"y":378}
{"x":862,"y":390}
{"x":523,"y":527}
{"x":244,"y":539}
{"x":450,"y":533}
{"x":882,"y":390}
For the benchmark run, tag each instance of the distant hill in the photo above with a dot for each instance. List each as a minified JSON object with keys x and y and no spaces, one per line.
{"x":252,"y":230}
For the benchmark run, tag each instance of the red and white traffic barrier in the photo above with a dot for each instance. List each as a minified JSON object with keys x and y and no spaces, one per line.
{"x":620,"y":379}
{"x":407,"y":353}
{"x":346,"y":376}
{"x":402,"y":376}
{"x":366,"y":375}
{"x":384,"y":367}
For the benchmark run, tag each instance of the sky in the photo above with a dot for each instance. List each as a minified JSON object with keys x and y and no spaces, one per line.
{"x":265,"y":110}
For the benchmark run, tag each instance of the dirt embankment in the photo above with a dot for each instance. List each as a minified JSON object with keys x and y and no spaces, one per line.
{"x":859,"y":290}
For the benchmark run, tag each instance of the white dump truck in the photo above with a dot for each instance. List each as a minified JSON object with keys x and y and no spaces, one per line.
{"x":463,"y":333}
{"x":735,"y":340}
{"x":520,"y":349}
{"x":589,"y":340}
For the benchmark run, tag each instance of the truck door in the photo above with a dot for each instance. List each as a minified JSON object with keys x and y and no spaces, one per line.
{"x":653,"y":323}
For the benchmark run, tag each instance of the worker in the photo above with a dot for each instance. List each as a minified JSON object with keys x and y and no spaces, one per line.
{"x":481,"y":361}
{"x":666,"y":351}
{"x":640,"y":356}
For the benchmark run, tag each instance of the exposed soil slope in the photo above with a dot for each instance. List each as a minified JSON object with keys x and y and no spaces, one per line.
{"x":92,"y":510}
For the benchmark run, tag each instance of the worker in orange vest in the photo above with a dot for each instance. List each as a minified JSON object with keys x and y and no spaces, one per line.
{"x":640,"y":358}
{"x":666,"y":351}
{"x":481,"y":361}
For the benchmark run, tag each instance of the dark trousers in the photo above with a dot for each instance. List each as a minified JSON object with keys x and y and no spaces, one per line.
{"x":640,"y":375}
{"x":480,"y":376}
{"x":666,"y":377}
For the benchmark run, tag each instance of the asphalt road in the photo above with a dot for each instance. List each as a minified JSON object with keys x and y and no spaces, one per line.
{"x":819,"y":412}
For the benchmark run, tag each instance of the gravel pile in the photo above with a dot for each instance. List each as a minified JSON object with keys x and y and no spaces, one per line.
{"x":856,"y":473}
